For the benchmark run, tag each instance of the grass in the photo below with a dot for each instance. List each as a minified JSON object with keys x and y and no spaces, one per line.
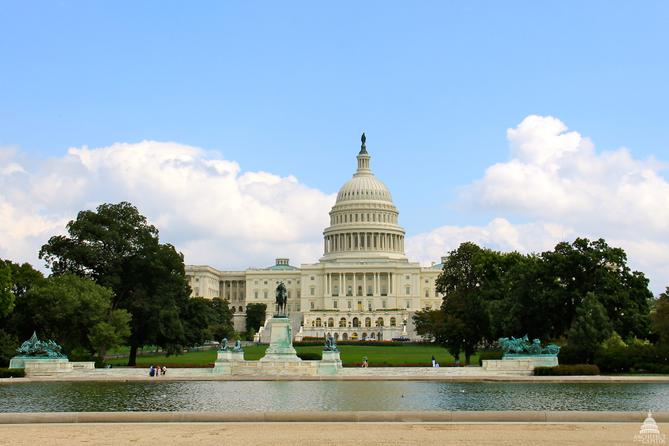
{"x":350,"y":355}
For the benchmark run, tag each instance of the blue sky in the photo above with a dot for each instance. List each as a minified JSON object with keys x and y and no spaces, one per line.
{"x":287,"y":87}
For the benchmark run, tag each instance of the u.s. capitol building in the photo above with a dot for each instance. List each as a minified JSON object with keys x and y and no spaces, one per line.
{"x":363,"y":287}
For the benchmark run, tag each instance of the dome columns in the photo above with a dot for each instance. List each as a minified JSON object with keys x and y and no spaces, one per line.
{"x":356,"y":241}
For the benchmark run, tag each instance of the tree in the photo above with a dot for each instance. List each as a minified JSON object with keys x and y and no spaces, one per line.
{"x":117,"y":248}
{"x":6,"y":295}
{"x":590,"y":329}
{"x":571,"y":271}
{"x":660,"y":318}
{"x":24,"y":277}
{"x":429,"y":324}
{"x":466,"y":321}
{"x":220,"y":324}
{"x":73,"y":311}
{"x":255,"y":316}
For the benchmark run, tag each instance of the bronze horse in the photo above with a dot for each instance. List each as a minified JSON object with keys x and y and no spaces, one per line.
{"x":281,"y":299}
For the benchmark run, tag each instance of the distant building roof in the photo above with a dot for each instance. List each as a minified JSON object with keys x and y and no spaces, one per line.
{"x":281,"y":265}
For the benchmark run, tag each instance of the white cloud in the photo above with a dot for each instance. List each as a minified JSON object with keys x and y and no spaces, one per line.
{"x":554,"y":187}
{"x":205,"y":205}
{"x":564,"y":188}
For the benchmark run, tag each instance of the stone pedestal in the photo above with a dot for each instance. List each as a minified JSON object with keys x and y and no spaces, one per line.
{"x":41,"y":366}
{"x":330,"y":364}
{"x":281,"y":342}
{"x":535,"y":360}
{"x":225,"y":360}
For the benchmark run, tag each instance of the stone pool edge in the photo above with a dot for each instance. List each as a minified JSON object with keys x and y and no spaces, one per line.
{"x":593,"y":379}
{"x":340,"y":416}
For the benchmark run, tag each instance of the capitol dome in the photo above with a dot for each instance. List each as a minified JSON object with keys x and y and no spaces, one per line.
{"x":364,"y":220}
{"x":364,"y":187}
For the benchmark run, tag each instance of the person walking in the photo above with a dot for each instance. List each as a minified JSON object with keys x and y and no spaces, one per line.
{"x":152,"y":371}
{"x":434,"y":361}
{"x":364,"y":362}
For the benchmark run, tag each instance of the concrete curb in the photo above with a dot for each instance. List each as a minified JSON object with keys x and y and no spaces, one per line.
{"x":325,"y":417}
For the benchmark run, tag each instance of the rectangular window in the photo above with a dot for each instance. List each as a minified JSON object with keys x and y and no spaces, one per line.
{"x":369,"y":290}
{"x":408,"y":303}
{"x":255,"y":294}
{"x":369,"y":306}
{"x":350,"y":304}
{"x":311,"y":304}
{"x":383,"y":303}
{"x":408,"y":290}
{"x":264,"y":294}
{"x":312,"y":291}
{"x":349,"y":291}
{"x":334,"y":304}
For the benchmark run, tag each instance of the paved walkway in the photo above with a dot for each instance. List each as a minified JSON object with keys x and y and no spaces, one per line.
{"x":323,"y":434}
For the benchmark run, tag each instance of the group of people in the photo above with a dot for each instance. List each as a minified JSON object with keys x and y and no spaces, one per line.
{"x":157,"y":370}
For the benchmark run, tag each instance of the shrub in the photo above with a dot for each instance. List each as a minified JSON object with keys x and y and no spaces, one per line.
{"x":495,"y":354}
{"x":564,"y":370}
{"x":12,"y":373}
{"x":8,"y":344}
{"x":321,"y":341}
{"x":309,"y":356}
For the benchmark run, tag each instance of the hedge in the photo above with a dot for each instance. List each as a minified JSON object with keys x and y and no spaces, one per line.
{"x":309,"y":356}
{"x":564,"y":370}
{"x":489,"y":355}
{"x":12,"y":373}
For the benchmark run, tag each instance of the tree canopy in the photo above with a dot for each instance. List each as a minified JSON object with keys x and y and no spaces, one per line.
{"x":490,"y":294}
{"x":73,"y":311}
{"x":117,"y":248}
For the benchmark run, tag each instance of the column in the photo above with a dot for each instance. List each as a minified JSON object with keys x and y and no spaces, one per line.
{"x":355,"y":290}
{"x":364,"y":284}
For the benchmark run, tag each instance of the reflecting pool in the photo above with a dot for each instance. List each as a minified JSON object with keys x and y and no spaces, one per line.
{"x":327,"y":395}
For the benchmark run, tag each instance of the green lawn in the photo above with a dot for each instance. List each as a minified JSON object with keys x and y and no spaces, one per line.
{"x":350,"y":354}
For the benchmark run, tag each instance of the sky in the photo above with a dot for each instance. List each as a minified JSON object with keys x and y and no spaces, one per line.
{"x":232,"y":125}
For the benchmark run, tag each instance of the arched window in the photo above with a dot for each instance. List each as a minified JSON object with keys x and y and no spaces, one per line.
{"x":241,"y":310}
{"x":336,"y":336}
{"x":379,"y":322}
{"x":393,"y":322}
{"x":330,"y":322}
{"x":342,"y":322}
{"x":364,"y":336}
{"x":344,"y":337}
{"x":319,"y":323}
{"x":368,"y":322}
{"x":354,"y":336}
{"x":356,"y":322}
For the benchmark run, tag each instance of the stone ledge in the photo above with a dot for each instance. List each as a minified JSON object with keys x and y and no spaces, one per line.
{"x":340,"y":416}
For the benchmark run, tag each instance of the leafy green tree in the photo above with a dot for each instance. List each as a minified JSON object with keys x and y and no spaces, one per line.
{"x":117,"y":248}
{"x":590,"y":329}
{"x":429,"y":324}
{"x":220,"y":324}
{"x":660,"y":318}
{"x":24,"y":276}
{"x":73,"y":311}
{"x":571,"y":271}
{"x":6,"y":295}
{"x":466,"y":320}
{"x":255,"y":316}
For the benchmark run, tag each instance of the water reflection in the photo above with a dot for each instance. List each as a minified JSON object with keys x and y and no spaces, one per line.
{"x":331,"y":395}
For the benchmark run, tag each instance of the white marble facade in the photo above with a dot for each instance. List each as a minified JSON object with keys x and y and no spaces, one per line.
{"x":363,"y":287}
